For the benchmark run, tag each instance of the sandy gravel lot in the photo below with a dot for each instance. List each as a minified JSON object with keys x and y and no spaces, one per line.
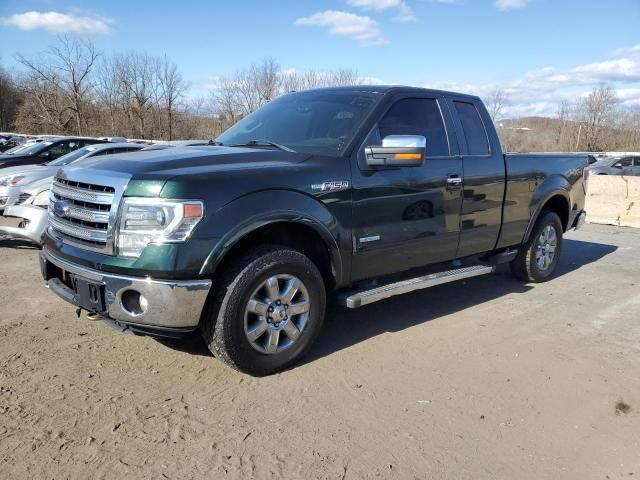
{"x":490,"y":379}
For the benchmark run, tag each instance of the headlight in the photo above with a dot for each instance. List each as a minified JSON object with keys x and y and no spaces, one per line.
{"x":153,"y":220}
{"x":42,"y":199}
{"x":11,"y":180}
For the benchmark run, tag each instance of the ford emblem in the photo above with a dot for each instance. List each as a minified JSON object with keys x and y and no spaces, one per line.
{"x":61,"y":208}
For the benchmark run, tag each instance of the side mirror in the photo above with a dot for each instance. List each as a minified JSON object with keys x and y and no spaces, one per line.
{"x":618,"y":165}
{"x":45,"y":155}
{"x":397,"y":151}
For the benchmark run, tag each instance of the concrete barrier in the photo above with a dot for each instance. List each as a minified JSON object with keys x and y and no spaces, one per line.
{"x":614,"y":200}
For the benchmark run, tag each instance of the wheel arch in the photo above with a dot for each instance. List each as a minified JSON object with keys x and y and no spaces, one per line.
{"x":294,"y":220}
{"x":553,"y":196}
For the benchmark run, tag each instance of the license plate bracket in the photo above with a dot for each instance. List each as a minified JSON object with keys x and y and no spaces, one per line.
{"x":89,"y":295}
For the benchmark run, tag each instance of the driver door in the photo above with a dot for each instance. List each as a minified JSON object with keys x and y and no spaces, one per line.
{"x":406,"y":217}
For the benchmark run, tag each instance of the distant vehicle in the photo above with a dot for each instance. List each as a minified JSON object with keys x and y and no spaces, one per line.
{"x":46,"y":150}
{"x":31,"y":208}
{"x":29,"y":198}
{"x":8,"y":142}
{"x":627,"y":165}
{"x":13,"y":179}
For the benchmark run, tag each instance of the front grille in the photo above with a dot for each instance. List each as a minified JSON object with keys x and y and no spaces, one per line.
{"x":22,"y":198}
{"x":85,"y":217}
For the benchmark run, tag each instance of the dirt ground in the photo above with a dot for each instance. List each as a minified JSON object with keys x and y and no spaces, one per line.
{"x":484,"y":379}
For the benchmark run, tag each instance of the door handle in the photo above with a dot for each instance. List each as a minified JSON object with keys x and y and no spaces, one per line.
{"x":454,"y":182}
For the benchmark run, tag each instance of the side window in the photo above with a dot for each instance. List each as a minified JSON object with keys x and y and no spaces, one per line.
{"x":473,"y":128}
{"x":636,"y":162}
{"x":59,"y":149}
{"x":417,"y":116}
{"x":626,"y":162}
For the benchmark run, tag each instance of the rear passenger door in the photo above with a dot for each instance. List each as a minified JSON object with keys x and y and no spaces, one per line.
{"x":406,"y":217}
{"x":484,"y":177}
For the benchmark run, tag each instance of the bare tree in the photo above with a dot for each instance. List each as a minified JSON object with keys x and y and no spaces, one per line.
{"x":136,"y":76}
{"x":563,"y":126}
{"x":10,"y":99}
{"x":173,"y":89}
{"x":252,"y":87}
{"x":594,"y":114}
{"x":496,"y":102}
{"x":66,"y":68}
{"x":108,"y":92}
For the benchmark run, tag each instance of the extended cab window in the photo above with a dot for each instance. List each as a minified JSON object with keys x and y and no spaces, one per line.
{"x":473,"y":128}
{"x":417,"y":116}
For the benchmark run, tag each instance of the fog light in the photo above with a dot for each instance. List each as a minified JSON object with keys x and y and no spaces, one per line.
{"x":134,"y":303}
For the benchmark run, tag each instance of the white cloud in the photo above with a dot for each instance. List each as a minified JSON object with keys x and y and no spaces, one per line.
{"x":404,"y":12}
{"x":363,"y":30}
{"x":539,"y":92}
{"x":510,"y":4}
{"x":56,"y":22}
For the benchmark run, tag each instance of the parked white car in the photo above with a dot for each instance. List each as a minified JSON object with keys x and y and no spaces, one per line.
{"x":27,"y":190}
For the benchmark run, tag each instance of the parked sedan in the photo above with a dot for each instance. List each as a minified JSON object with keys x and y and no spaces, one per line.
{"x":44,"y":151}
{"x":627,"y":165}
{"x":28,"y":199}
{"x":14,"y":178}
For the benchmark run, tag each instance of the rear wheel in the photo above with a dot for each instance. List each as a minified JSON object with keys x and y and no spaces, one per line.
{"x":267,"y":312}
{"x":539,"y":256}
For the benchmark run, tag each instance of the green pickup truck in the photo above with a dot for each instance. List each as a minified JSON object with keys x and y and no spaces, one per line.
{"x":361,"y":192}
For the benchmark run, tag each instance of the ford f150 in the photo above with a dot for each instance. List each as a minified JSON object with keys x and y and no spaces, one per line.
{"x":361,"y":192}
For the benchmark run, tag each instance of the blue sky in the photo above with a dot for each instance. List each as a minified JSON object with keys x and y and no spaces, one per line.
{"x":540,"y":51}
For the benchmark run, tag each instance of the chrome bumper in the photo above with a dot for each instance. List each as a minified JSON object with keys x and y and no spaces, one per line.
{"x":36,"y":218}
{"x":170,"y":304}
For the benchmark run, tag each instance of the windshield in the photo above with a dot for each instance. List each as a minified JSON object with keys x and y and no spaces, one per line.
{"x":13,"y":150}
{"x":316,"y":122}
{"x":31,"y":149}
{"x":71,"y":157}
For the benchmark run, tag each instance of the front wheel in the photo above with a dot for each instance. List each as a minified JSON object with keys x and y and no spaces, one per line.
{"x":267,"y":312}
{"x":539,"y":256}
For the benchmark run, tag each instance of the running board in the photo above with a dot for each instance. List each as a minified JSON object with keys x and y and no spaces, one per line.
{"x":365,"y":297}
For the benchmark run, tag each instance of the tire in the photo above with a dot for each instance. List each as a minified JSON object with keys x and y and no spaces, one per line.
{"x":245,"y":287}
{"x":527,"y":264}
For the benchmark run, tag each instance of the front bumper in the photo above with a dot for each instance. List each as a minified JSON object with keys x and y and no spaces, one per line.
{"x":169,"y":305}
{"x":35,"y":223}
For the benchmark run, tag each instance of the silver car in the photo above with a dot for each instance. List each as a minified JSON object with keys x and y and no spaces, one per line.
{"x":12,"y":179}
{"x":628,"y":165}
{"x":28,"y":199}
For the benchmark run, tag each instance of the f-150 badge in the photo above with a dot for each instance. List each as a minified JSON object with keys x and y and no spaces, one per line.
{"x":331,"y":186}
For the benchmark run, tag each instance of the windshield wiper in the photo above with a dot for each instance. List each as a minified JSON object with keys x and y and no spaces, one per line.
{"x":263,"y":143}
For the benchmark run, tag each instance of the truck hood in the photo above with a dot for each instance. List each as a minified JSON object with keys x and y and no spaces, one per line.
{"x":176,"y":161}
